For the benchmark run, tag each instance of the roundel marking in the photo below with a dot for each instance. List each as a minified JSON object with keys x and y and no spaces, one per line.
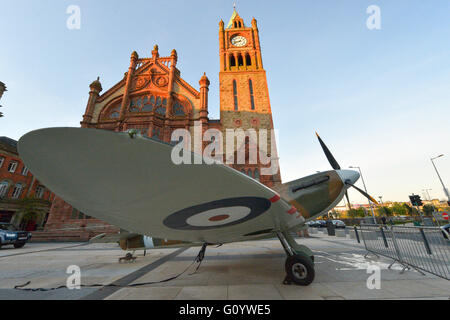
{"x":217,"y":214}
{"x":219,"y":217}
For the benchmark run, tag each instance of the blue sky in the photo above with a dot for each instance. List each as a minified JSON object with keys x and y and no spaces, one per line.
{"x":379,"y":98}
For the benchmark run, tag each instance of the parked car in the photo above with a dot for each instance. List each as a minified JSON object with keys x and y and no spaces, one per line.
{"x":316,"y":224}
{"x":10,"y":235}
{"x":339,"y":224}
{"x":446,"y":230}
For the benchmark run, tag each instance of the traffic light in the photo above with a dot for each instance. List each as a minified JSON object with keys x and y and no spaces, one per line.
{"x":415,"y":200}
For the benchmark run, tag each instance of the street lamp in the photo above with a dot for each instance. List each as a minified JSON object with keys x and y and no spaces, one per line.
{"x":440,"y":179}
{"x":426,"y":190}
{"x":365,"y":189}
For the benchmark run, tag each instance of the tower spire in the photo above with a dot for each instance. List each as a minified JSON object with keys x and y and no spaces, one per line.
{"x":234,"y":15}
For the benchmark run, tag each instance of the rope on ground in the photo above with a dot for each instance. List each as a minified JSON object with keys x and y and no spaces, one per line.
{"x":198,"y":259}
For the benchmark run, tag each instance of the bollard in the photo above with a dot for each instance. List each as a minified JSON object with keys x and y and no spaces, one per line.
{"x":357,"y":235}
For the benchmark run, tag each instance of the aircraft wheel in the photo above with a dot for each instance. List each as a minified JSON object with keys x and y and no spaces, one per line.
{"x":300,"y":269}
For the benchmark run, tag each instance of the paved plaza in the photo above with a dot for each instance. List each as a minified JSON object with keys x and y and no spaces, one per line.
{"x":237,"y":271}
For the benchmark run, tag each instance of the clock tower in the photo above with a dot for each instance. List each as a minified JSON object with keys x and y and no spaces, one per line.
{"x":244,"y":94}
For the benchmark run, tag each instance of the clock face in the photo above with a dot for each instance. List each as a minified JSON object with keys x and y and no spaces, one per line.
{"x":238,"y":41}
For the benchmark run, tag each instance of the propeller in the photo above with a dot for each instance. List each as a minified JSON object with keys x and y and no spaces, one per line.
{"x":335,"y":165}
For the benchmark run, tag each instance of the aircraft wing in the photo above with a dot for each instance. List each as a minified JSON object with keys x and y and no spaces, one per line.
{"x":132,"y":183}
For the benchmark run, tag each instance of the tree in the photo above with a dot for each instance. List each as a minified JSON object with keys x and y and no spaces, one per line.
{"x":31,"y":208}
{"x":2,"y":90}
{"x":408,"y":209}
{"x":384,"y":211}
{"x":360,"y":212}
{"x":428,"y":209}
{"x":399,"y":209}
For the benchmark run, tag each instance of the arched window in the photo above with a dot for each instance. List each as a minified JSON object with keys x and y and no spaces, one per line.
{"x":17,"y":191}
{"x":232,"y":61}
{"x":252,"y":99}
{"x":248,"y":60}
{"x":178,"y":109}
{"x":256,"y":174}
{"x":235,"y":95}
{"x":3,"y":188}
{"x":243,"y":171}
{"x":240,"y":60}
{"x":250,"y":173}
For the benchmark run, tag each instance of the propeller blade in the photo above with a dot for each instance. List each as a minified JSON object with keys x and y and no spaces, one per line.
{"x":330,"y":157}
{"x":348,"y":200}
{"x":362,"y":192}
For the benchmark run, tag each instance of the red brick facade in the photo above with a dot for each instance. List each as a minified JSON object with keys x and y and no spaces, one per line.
{"x":17,"y":182}
{"x":153,"y":99}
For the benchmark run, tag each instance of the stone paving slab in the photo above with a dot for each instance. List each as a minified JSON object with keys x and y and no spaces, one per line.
{"x":241,"y":271}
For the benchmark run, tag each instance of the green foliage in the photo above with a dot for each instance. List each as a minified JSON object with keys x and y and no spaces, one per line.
{"x":384,"y":211}
{"x":30,"y":208}
{"x":428,"y":209}
{"x":360,"y":212}
{"x":399,"y":209}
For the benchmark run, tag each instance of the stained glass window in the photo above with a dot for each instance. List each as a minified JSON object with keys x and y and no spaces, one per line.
{"x":257,"y":174}
{"x":178,"y":109}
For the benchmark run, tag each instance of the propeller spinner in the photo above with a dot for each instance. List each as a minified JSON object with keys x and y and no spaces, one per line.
{"x":335,"y":165}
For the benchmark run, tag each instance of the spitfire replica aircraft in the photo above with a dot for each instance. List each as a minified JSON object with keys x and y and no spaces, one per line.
{"x":130,"y":182}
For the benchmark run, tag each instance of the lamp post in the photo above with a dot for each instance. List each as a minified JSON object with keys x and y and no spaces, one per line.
{"x":428,"y":194}
{"x":365,"y":189}
{"x":440,"y":179}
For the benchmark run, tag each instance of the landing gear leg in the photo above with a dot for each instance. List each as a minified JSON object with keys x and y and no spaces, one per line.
{"x":299,"y":264}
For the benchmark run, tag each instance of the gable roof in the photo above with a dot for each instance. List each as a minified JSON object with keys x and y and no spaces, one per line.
{"x":8,"y":144}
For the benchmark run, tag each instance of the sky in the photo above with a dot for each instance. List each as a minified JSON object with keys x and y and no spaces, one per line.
{"x":380,"y":99}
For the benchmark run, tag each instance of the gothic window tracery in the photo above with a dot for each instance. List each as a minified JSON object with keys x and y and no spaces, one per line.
{"x":114,"y":113}
{"x":149,"y":103}
{"x":178,"y":109}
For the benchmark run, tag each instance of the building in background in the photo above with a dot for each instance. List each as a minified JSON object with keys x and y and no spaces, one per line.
{"x":155,"y":100}
{"x":17,"y":184}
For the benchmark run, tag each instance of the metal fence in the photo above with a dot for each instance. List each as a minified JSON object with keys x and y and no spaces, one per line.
{"x":422,"y":248}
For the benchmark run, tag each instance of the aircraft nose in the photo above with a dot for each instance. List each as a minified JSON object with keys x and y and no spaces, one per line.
{"x":348,"y":175}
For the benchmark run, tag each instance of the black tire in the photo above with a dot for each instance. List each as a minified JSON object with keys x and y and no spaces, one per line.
{"x":300,"y":269}
{"x":19,"y":245}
